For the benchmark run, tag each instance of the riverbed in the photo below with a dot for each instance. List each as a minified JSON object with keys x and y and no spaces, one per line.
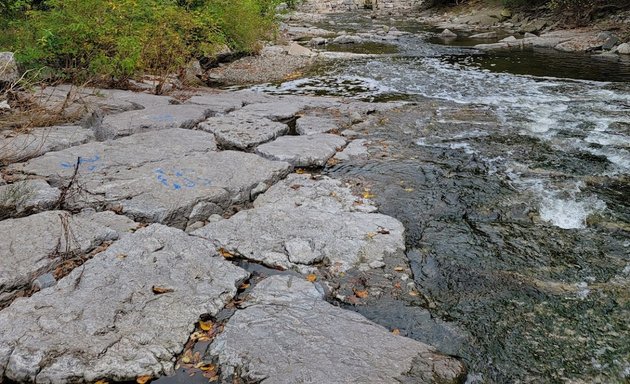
{"x":511,"y":174}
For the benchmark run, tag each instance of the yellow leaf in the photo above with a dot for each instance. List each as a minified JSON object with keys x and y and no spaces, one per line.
{"x":367,"y":195}
{"x":396,"y":331}
{"x":361,"y":293}
{"x":102,"y":382}
{"x":399,"y":269}
{"x":225,"y":253}
{"x":186,"y":359}
{"x":121,"y":256}
{"x":244,"y":286}
{"x":300,"y":171}
{"x":206,"y":366}
{"x":143,"y":379}
{"x":409,"y":189}
{"x":311,"y":277}
{"x":206,"y":325}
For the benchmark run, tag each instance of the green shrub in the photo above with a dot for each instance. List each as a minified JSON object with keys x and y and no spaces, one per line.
{"x":116,"y":39}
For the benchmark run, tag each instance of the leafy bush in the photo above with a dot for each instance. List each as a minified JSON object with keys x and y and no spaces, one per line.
{"x":116,"y":39}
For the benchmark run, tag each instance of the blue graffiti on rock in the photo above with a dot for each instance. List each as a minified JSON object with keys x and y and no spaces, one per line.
{"x":178,"y":179}
{"x":88,"y":163}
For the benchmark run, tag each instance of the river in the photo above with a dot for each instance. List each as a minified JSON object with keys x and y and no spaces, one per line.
{"x":511,"y":173}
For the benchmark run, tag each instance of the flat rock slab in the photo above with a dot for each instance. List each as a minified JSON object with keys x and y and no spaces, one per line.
{"x":151,"y":119}
{"x":104,"y":321}
{"x":243,"y":132}
{"x":354,"y":151}
{"x":20,"y":147}
{"x":309,"y":125}
{"x":288,"y":334}
{"x":312,"y":225}
{"x":26,"y":197}
{"x":33,"y":245}
{"x":303,"y":151}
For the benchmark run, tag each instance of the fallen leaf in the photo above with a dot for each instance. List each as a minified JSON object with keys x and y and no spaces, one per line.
{"x":409,"y":189}
{"x":225,"y":253}
{"x":206,"y":325}
{"x":121,"y":256}
{"x":367,"y":195}
{"x":160,"y":290}
{"x":206,"y":366}
{"x":413,"y":293}
{"x":383,"y":231}
{"x":362,"y":294}
{"x":311,"y":277}
{"x":102,"y":382}
{"x":399,"y":269}
{"x":244,"y":286}
{"x":370,"y":235}
{"x":300,"y":171}
{"x":296,"y":187}
{"x":396,"y":332}
{"x":143,"y":379}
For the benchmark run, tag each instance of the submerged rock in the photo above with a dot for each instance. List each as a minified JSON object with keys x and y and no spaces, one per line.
{"x":303,"y":151}
{"x":34,"y":245}
{"x":321,"y":343}
{"x":106,"y":320}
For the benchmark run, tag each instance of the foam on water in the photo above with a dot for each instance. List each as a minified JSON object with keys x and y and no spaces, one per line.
{"x":569,"y":213}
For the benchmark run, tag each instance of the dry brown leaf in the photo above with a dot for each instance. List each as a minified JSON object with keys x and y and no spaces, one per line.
{"x":206,"y":325}
{"x":206,"y":366}
{"x":102,"y":382}
{"x":244,"y":286}
{"x":396,"y":332}
{"x":311,"y":277}
{"x":399,"y":269}
{"x":143,"y":379}
{"x":160,"y":290}
{"x":362,"y":294}
{"x":300,"y":171}
{"x":225,"y":253}
{"x":367,"y":195}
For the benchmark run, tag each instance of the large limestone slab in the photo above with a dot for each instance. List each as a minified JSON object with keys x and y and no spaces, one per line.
{"x":20,"y":147}
{"x":314,"y":225}
{"x":303,"y":151}
{"x":105,"y":321}
{"x":173,"y":178}
{"x":151,"y":119}
{"x":356,"y":150}
{"x":309,"y":125}
{"x":241,"y":131}
{"x":34,"y":245}
{"x":288,"y":334}
{"x":26,"y":197}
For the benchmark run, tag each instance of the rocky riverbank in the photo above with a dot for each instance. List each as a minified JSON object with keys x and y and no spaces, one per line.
{"x":125,"y":235}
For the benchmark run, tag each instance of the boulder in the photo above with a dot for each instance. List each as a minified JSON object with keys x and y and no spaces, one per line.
{"x":242,"y":131}
{"x":303,"y":151}
{"x":447,"y":33}
{"x":624,"y":49}
{"x":317,"y":41}
{"x":300,"y":223}
{"x":320,"y":343}
{"x":34,"y":245}
{"x":296,"y":49}
{"x":23,"y":146}
{"x":310,"y":125}
{"x":610,"y":43}
{"x":125,"y":313}
{"x":508,"y":39}
{"x":581,"y":44}
{"x":8,"y":68}
{"x":347,"y":39}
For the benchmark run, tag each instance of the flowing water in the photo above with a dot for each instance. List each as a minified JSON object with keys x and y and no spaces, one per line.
{"x":511,"y":173}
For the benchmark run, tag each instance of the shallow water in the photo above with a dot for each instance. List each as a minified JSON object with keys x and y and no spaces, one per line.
{"x":511,"y":173}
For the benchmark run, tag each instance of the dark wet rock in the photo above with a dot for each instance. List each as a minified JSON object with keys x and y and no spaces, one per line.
{"x":26,"y":197}
{"x":36,"y":244}
{"x":243,"y":131}
{"x":126,"y":329}
{"x":23,"y":146}
{"x":309,"y":125}
{"x":320,"y":342}
{"x":303,"y":151}
{"x":303,"y":222}
{"x":151,"y":119}
{"x":158,"y":176}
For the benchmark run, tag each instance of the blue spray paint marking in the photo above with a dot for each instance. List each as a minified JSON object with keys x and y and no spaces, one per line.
{"x":84,"y":160}
{"x":181,"y":179}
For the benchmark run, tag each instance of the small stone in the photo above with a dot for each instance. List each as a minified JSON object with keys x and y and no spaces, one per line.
{"x":624,"y":49}
{"x":447,"y":33}
{"x":46,"y":280}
